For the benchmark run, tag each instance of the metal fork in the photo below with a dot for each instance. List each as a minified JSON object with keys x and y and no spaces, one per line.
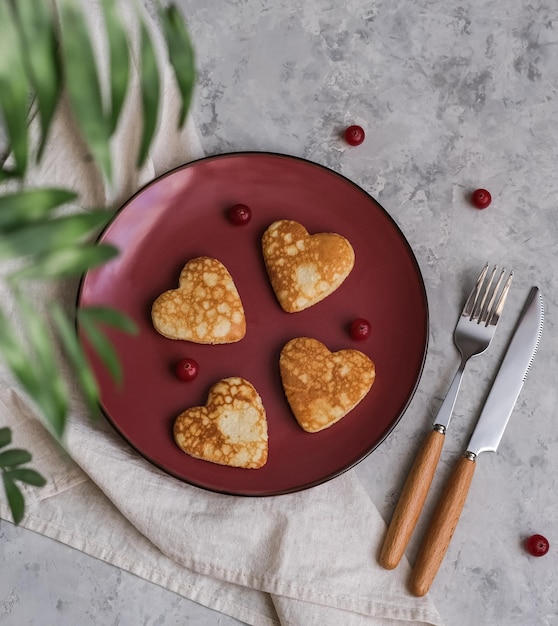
{"x":472,"y":336}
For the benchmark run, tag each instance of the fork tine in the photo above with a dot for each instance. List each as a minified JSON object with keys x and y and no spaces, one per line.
{"x":472,"y":299}
{"x":495,"y":316}
{"x":486,"y":312}
{"x":479,"y":309}
{"x":485,"y":303}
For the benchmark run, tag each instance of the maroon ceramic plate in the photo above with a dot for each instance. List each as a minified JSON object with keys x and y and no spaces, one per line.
{"x":182,"y":215}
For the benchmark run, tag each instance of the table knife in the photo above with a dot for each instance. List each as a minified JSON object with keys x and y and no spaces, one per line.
{"x":486,"y":438}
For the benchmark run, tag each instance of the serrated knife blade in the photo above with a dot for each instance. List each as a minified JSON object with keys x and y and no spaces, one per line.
{"x":486,"y":437}
{"x":509,"y":381}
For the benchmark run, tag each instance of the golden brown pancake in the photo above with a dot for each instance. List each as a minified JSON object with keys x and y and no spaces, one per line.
{"x":231,"y":429}
{"x":304,"y":269}
{"x":323,"y":386}
{"x":206,"y":307}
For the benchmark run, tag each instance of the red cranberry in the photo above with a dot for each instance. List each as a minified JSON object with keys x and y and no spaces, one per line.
{"x":240,"y":214}
{"x":354,"y":135}
{"x":187,"y":369}
{"x":481,"y":198}
{"x":360,"y":329}
{"x":537,"y":545}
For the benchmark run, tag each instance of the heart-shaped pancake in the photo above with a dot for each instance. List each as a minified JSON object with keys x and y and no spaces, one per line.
{"x":231,"y":429}
{"x":304,"y":269}
{"x":206,"y":307}
{"x":323,"y":386}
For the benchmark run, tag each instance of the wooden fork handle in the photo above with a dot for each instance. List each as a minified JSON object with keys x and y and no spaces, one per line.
{"x":442,"y":527}
{"x":411,"y":500}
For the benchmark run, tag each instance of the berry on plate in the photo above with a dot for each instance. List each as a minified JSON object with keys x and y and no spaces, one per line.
{"x":240,"y":214}
{"x":360,"y":329}
{"x":187,"y":369}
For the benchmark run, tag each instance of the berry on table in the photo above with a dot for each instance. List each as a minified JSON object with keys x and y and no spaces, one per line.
{"x":360,"y":329}
{"x":187,"y":369}
{"x":239,"y":214}
{"x":481,"y":198}
{"x":537,"y":545}
{"x":354,"y":135}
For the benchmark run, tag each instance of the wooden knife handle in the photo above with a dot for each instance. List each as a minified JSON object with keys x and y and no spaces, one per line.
{"x":411,"y":500}
{"x":442,"y":526}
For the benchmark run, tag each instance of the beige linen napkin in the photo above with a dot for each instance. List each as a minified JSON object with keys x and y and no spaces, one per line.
{"x":300,"y":559}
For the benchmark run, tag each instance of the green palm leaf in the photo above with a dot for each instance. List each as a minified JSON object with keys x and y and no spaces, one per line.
{"x":65,"y":262}
{"x":102,"y":346}
{"x":15,"y":498}
{"x":39,"y":51}
{"x":52,"y":397}
{"x":5,"y":436}
{"x":89,"y":319}
{"x":82,"y":82}
{"x":44,"y":236}
{"x":119,"y":56}
{"x":110,"y":317}
{"x":14,"y":457}
{"x":30,"y":204}
{"x":67,"y":334}
{"x":26,"y":475}
{"x":150,"y":90}
{"x":14,"y":90}
{"x":181,"y":56}
{"x":15,"y":356}
{"x":6,"y":174}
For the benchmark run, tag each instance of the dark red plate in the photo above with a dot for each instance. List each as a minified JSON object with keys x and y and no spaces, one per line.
{"x":182,"y":215}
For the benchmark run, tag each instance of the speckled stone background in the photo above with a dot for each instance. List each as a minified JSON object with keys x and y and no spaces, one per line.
{"x":452,"y":96}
